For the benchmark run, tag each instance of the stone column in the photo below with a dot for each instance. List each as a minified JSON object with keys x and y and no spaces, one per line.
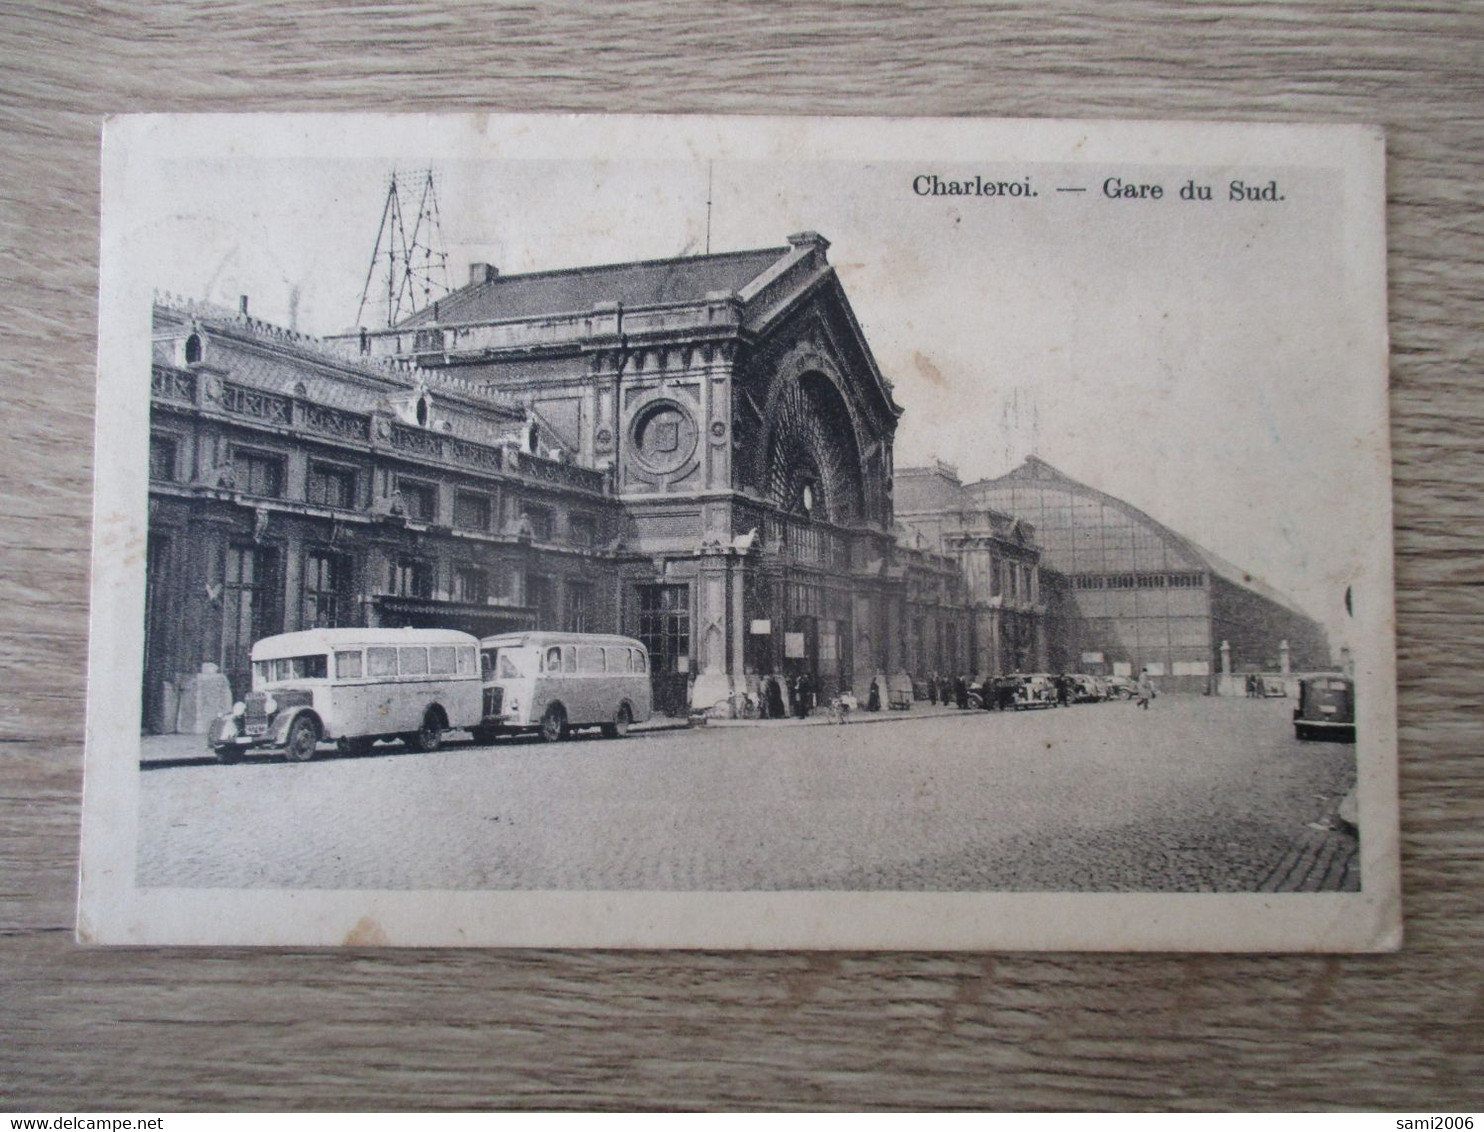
{"x":713,"y":618}
{"x":1226,"y":658}
{"x":1283,"y":658}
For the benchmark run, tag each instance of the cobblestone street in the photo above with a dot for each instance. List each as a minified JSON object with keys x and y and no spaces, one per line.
{"x":1196,"y":794}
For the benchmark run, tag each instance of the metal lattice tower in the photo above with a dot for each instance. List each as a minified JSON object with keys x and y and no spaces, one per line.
{"x":409,"y":270}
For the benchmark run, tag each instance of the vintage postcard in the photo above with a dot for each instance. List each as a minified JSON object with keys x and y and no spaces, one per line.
{"x":741,"y":533}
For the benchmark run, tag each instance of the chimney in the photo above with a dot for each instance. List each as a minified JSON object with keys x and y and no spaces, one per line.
{"x":808,"y":240}
{"x":482,"y":273}
{"x":242,"y":305}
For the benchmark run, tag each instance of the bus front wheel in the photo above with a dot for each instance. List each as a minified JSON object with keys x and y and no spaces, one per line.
{"x":302,"y":739}
{"x":554,"y":724}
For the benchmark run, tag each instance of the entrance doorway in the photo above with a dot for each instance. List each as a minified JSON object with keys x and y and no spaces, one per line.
{"x":664,"y":627}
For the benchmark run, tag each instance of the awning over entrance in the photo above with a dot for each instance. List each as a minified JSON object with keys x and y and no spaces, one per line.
{"x":470,"y":617}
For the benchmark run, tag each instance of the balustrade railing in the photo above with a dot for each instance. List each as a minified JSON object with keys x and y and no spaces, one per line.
{"x":334,"y":422}
{"x":248,"y":402}
{"x":172,"y":385}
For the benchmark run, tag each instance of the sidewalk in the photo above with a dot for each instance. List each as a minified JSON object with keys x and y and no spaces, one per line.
{"x":185,"y":749}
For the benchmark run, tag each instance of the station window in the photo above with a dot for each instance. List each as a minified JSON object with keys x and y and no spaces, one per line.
{"x":163,"y":451}
{"x":542,"y":522}
{"x":579,"y":598}
{"x":471,"y":511}
{"x":584,"y":531}
{"x":411,"y":577}
{"x":326,"y":582}
{"x":471,"y":584}
{"x":541,"y":596}
{"x":331,"y":485}
{"x":419,"y":500}
{"x":258,"y":473}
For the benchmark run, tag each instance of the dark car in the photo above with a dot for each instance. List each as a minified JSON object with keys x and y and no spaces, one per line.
{"x":1326,"y":708}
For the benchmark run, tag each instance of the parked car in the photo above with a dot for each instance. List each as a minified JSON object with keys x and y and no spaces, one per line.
{"x":1034,"y":690}
{"x":1326,"y":708}
{"x":1087,"y":689}
{"x":1122,"y":688}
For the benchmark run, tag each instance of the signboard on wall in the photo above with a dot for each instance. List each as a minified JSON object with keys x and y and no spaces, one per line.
{"x":761,"y":628}
{"x":793,"y":646}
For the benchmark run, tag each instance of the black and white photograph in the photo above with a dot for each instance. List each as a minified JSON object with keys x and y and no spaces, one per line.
{"x":688,"y":532}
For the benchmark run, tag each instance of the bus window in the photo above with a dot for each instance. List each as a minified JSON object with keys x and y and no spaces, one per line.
{"x":638,"y":657}
{"x":616,"y":660}
{"x":348,"y":665}
{"x":589,"y":659}
{"x":509,"y":665}
{"x":487,"y":664}
{"x":381,"y":662}
{"x":569,"y":659}
{"x":412,"y":661}
{"x":441,"y":660}
{"x":554,"y":658}
{"x":466,"y":664}
{"x":291,"y":668}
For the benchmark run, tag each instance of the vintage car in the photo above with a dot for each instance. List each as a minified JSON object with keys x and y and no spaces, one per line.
{"x":1326,"y":708}
{"x":1087,"y":689}
{"x":1122,"y":688}
{"x":1034,"y":690}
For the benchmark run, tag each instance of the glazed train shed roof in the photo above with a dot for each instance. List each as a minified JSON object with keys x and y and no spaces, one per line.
{"x":1035,"y":472}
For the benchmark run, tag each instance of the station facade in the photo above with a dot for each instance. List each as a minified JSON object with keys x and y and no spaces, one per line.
{"x":697,"y":452}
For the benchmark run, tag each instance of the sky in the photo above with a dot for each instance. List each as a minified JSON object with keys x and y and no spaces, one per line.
{"x":1194,"y":359}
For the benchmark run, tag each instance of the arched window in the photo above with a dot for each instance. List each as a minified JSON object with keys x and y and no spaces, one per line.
{"x":422,"y":412}
{"x":193,"y":349}
{"x":811,"y":465}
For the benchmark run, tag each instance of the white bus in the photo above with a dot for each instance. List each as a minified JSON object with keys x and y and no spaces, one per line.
{"x":353,"y":687}
{"x":553,"y":682}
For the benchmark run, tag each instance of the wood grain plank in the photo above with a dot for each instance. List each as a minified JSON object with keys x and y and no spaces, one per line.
{"x":229,"y":1028}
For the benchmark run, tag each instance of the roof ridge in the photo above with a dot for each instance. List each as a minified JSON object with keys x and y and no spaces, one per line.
{"x":618,"y":265}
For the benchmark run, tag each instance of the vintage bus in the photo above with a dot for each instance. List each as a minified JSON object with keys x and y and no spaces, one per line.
{"x":353,"y":687}
{"x":553,"y":682}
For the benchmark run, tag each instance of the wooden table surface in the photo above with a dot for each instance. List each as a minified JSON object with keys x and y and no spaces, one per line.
{"x":86,"y":1028}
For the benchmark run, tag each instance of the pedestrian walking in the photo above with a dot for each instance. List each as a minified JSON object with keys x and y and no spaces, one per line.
{"x":932,"y":683}
{"x":1146,"y":691}
{"x":961,"y":692}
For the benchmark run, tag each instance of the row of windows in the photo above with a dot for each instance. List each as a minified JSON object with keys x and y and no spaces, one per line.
{"x":335,"y":486}
{"x":328,"y":600}
{"x":592,"y":659}
{"x":1188,"y":580}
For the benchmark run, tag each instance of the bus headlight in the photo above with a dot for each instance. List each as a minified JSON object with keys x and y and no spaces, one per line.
{"x":270,"y":706}
{"x":239,"y":709}
{"x":514,"y":706}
